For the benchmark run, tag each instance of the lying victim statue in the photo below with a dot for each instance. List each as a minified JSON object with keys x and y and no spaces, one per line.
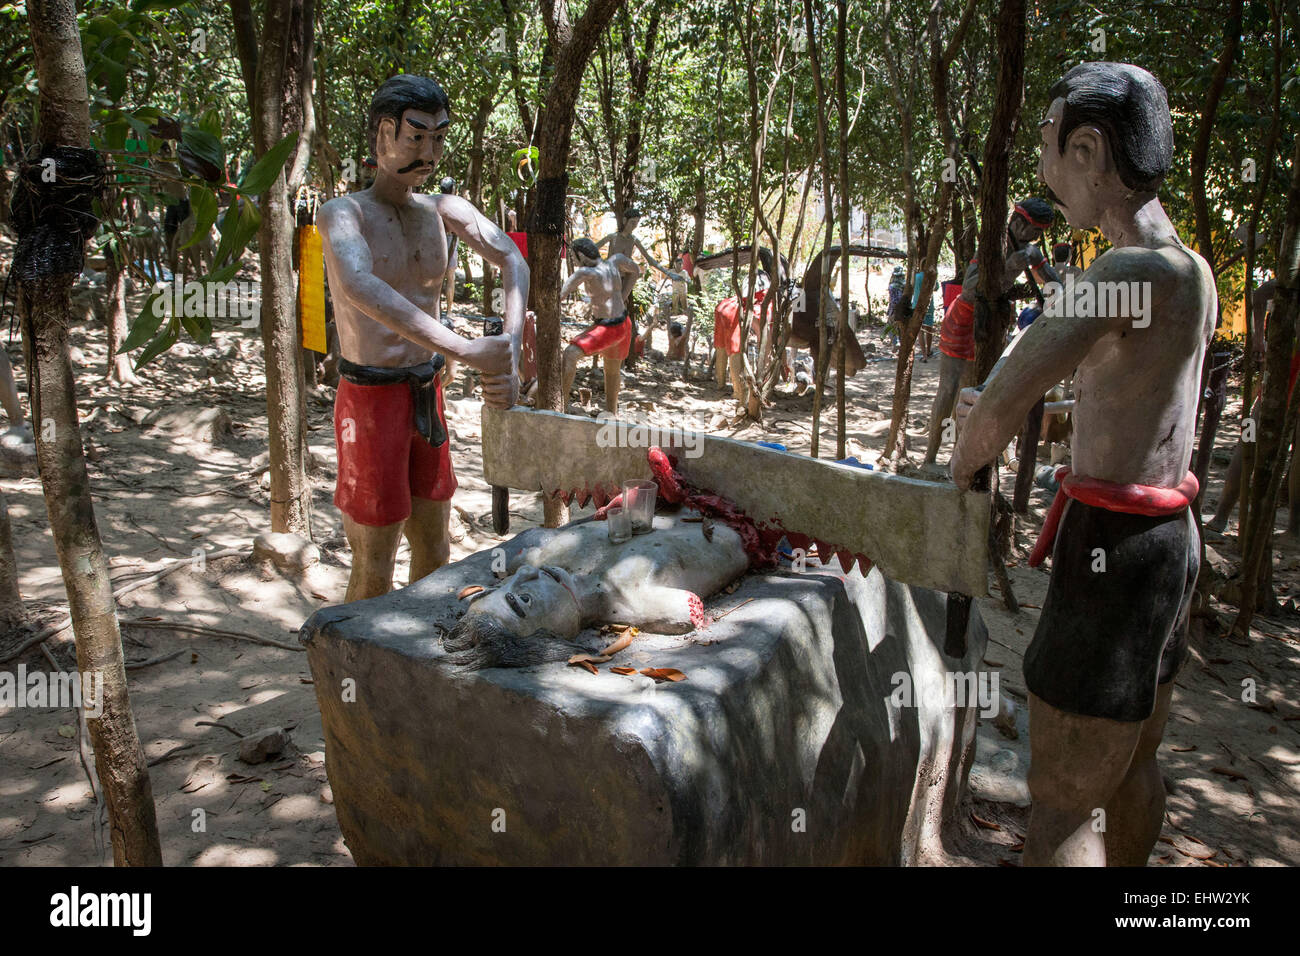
{"x":573,"y":577}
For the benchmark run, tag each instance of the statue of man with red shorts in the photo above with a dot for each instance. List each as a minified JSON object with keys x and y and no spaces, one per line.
{"x":386,"y":254}
{"x":610,"y":336}
{"x":1113,"y":629}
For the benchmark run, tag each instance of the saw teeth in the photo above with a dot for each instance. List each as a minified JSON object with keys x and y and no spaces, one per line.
{"x":598,"y":493}
{"x":823,"y":552}
{"x":583,"y":495}
{"x":568,"y":497}
{"x":799,"y":541}
{"x":864,"y":564}
{"x":846,"y":560}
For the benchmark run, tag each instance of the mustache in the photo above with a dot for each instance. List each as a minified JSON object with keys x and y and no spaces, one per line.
{"x":1054,"y":198}
{"x":413,"y":166}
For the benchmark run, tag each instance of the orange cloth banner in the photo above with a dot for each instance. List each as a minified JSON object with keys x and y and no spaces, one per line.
{"x":311,"y":289}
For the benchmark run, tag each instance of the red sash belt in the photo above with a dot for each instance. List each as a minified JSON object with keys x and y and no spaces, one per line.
{"x":1128,"y":499}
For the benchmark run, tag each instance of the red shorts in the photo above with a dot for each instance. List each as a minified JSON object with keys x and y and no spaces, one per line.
{"x":383,"y":460}
{"x":600,"y":337}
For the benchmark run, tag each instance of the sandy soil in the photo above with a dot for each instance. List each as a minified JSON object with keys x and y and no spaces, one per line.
{"x":166,"y":491}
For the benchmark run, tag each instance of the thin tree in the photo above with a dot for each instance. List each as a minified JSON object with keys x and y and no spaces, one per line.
{"x":44,"y":302}
{"x":569,"y":47}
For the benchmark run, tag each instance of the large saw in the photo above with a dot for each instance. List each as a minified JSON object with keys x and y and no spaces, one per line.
{"x":917,"y":532}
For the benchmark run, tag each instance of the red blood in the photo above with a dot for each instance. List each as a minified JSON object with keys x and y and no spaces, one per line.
{"x":699,"y":619}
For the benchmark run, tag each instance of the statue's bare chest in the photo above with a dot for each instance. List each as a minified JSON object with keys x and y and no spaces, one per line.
{"x":408,"y":246}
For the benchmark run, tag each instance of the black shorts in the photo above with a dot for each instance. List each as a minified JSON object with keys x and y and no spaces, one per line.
{"x":1106,"y":638}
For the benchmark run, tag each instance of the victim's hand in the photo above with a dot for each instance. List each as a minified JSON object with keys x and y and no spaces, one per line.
{"x":966,"y":400}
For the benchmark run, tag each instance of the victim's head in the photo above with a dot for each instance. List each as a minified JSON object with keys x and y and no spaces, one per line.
{"x":409,"y":117}
{"x":527,"y":619}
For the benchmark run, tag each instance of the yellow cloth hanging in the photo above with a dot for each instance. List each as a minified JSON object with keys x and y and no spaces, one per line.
{"x":311,"y":288}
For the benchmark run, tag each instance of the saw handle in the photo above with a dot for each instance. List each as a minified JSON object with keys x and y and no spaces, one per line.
{"x":500,"y":496}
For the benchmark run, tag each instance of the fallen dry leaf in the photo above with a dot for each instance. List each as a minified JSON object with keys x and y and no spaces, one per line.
{"x":1229,"y":773}
{"x":621,"y":643}
{"x":707,"y":527}
{"x":1183,"y":750}
{"x":623,"y":670}
{"x":986,"y":824}
{"x":589,"y":666}
{"x":467,"y":590}
{"x":588,"y":659}
{"x":664,"y":673}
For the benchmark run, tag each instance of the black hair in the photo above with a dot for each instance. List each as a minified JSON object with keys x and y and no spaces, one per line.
{"x":1039,"y":209}
{"x":586,"y":248}
{"x":478,"y":641}
{"x":1061,"y":252}
{"x":401,"y":93}
{"x":447,"y":186}
{"x":1131,"y":109}
{"x":631,"y":212}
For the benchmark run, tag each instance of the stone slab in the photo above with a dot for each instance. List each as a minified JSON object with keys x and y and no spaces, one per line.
{"x":784,"y":745}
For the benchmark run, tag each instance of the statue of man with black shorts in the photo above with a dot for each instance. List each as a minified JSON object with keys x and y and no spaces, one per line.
{"x":1113,"y":629}
{"x":610,"y":335}
{"x":386,"y":253}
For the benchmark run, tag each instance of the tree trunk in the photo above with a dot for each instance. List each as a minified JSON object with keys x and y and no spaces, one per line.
{"x":275,"y":86}
{"x":12,"y":613}
{"x":993,"y":312}
{"x":119,"y":365}
{"x":45,"y":309}
{"x":570,"y":47}
{"x":1278,"y":409}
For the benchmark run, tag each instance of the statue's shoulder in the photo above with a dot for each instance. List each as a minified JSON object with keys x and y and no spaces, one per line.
{"x":341,"y":208}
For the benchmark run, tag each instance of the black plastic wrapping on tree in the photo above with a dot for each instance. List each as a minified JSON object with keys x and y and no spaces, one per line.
{"x":52,"y":211}
{"x":548,"y":216}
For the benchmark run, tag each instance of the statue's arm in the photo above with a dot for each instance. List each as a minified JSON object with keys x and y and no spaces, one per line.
{"x":579,"y":276}
{"x":667,"y":610}
{"x":625,"y":265}
{"x":605,"y":240}
{"x":484,"y":237}
{"x":1050,"y":350}
{"x":652,"y":260}
{"x":352,"y":276}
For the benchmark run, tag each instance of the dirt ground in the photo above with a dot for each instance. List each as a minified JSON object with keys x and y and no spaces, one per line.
{"x":170,"y":487}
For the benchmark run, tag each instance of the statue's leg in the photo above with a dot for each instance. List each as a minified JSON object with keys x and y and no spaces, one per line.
{"x":945,"y":398}
{"x":1109,"y":642}
{"x":572,"y":356}
{"x":613,"y":377}
{"x":426,"y":531}
{"x":1136,"y":811}
{"x":1231,"y":491}
{"x":1076,"y":767}
{"x":9,"y":392}
{"x":720,"y":367}
{"x":374,"y":551}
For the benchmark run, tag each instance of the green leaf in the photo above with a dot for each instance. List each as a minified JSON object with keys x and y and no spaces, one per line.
{"x":144,"y":326}
{"x":199,"y":327}
{"x":262,"y":175}
{"x":203,"y":202}
{"x":237,"y":227}
{"x":204,"y":145}
{"x":211,"y":123}
{"x":164,"y":340}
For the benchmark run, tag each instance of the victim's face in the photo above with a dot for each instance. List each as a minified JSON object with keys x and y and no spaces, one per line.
{"x":411,"y":149}
{"x":534,"y":599}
